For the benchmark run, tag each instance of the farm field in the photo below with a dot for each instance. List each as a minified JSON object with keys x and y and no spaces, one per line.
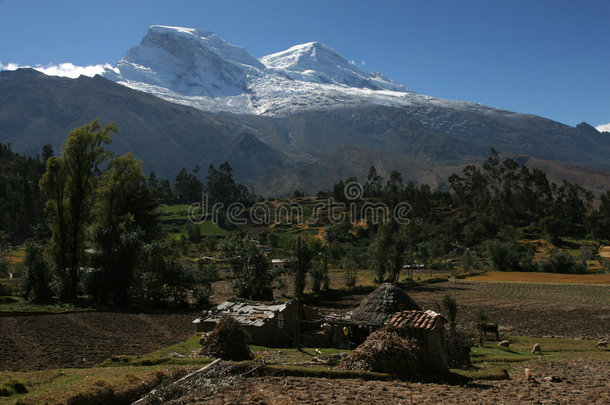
{"x":46,"y":341}
{"x":526,"y":309}
{"x":531,"y":277}
{"x":289,"y":376}
{"x":93,"y":354}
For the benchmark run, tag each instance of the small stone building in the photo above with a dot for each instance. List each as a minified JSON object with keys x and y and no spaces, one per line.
{"x":268,"y":324}
{"x":428,"y":328}
{"x":347,"y":332}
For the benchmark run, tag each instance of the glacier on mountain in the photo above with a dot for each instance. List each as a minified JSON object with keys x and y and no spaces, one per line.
{"x":198,"y":68}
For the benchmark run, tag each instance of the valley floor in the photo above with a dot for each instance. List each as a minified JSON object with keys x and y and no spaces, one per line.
{"x":71,"y":347}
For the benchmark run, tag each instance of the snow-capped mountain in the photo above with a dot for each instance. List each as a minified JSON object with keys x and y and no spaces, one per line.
{"x":197,"y":68}
{"x":319,"y":63}
{"x":303,"y":117}
{"x":188,"y":62}
{"x":603,"y":128}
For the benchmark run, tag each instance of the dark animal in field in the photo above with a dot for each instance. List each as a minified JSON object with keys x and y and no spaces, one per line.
{"x":537,"y":349}
{"x":490,"y":327}
{"x":602,"y":344}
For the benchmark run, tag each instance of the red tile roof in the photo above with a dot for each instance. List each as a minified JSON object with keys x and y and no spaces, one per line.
{"x":428,"y":320}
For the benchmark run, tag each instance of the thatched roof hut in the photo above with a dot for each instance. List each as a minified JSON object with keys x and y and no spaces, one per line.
{"x":382,"y":304}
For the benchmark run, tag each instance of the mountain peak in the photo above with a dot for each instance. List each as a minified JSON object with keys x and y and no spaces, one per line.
{"x":317,"y":62}
{"x":189,"y":61}
{"x":165,"y":29}
{"x":196,"y":67}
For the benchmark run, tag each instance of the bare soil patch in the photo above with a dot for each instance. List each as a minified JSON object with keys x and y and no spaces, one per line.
{"x":46,"y":341}
{"x":582,"y":382}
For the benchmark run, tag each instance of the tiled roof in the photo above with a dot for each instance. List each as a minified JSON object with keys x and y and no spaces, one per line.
{"x":427,"y":320}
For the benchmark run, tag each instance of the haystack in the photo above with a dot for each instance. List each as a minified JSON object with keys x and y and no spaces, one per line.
{"x":382,"y":304}
{"x":387,"y":352}
{"x":228,"y":340}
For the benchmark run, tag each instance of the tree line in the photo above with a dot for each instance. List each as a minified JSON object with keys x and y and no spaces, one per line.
{"x":90,"y":223}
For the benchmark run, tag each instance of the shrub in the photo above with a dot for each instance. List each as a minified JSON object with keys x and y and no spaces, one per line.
{"x":39,"y":279}
{"x":319,"y":275}
{"x":451,"y":308}
{"x":349,"y":267}
{"x":561,"y":262}
{"x":11,"y":387}
{"x":250,"y":268}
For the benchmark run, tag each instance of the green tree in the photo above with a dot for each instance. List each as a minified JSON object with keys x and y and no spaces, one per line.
{"x":21,"y":205}
{"x":165,"y":279}
{"x":39,"y":277}
{"x":188,"y":187}
{"x":68,"y":185}
{"x":348,"y":264}
{"x":318,"y":274}
{"x":451,"y":308}
{"x":379,"y":254}
{"x":4,"y":247}
{"x":125,"y":214}
{"x":251,"y":269}
{"x":222,"y":188}
{"x":467,"y":260}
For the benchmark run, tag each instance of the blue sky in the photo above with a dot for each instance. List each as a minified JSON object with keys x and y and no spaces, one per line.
{"x":550,"y":58}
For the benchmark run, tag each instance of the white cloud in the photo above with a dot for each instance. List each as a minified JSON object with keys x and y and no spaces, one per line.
{"x":603,"y":127}
{"x":10,"y":66}
{"x":63,"y":69}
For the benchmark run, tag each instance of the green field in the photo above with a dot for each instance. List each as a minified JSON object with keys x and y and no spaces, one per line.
{"x":174,"y":220}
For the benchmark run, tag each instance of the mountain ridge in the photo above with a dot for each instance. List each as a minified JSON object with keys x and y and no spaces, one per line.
{"x":276,"y":117}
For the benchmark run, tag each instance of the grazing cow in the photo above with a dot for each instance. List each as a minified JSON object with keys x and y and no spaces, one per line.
{"x":537,"y":349}
{"x":602,"y":344}
{"x":490,"y":327}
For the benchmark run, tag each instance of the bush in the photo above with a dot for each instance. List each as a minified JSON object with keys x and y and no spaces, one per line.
{"x":166,"y":280}
{"x":510,"y":256}
{"x":319,"y":275}
{"x":349,"y":267}
{"x":561,"y":262}
{"x":250,"y":267}
{"x":11,"y":387}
